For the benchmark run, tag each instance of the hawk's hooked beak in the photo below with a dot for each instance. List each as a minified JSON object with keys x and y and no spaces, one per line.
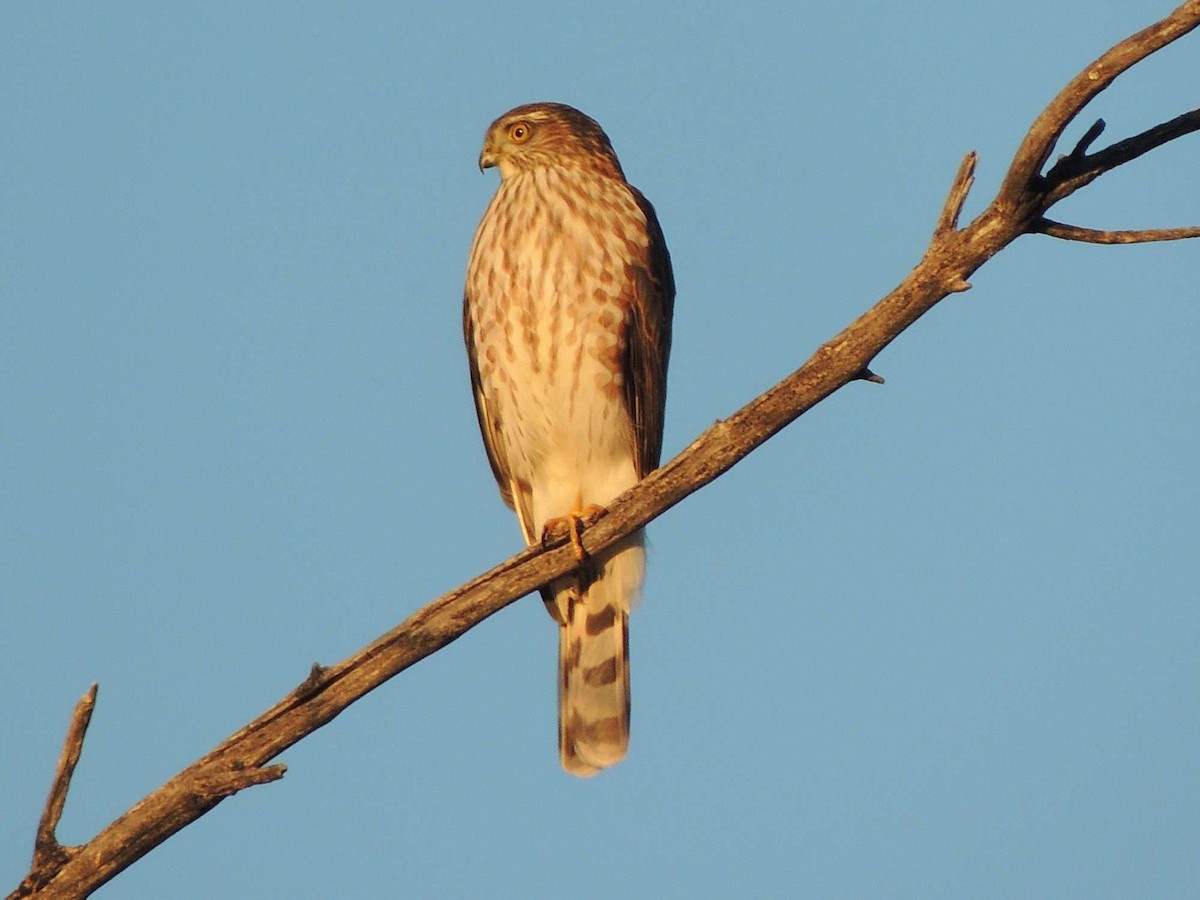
{"x":487,"y":156}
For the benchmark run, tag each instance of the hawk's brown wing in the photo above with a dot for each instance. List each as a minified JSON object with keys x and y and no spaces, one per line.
{"x":648,"y":342}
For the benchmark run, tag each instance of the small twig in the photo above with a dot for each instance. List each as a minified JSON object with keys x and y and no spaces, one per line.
{"x":1089,"y":138}
{"x":227,"y":782}
{"x":48,"y":854}
{"x":959,"y":188}
{"x":314,"y":682}
{"x":47,"y":842}
{"x":1098,"y":236}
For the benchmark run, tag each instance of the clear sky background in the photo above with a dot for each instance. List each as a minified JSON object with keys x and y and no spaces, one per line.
{"x":936,"y":640}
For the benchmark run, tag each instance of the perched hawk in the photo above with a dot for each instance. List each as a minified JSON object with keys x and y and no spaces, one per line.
{"x":567,"y":319}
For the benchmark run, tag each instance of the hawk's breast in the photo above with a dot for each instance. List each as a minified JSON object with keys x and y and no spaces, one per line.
{"x":549,"y":287}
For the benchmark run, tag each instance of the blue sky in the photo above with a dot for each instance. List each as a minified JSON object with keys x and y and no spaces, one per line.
{"x":937,"y":639}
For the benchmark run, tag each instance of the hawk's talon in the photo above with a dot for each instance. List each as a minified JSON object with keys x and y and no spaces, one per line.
{"x":574,"y":523}
{"x":574,"y":526}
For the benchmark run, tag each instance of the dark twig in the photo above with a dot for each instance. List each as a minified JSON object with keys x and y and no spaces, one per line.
{"x":868,"y":375}
{"x":1072,"y":172}
{"x":953,"y":256}
{"x":1096,"y":236}
{"x":1089,"y":138}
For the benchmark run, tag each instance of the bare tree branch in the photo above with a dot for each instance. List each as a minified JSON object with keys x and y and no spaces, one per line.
{"x":952,"y":257}
{"x":48,"y":854}
{"x":963,"y":180}
{"x":1079,"y":168}
{"x":1097,"y":236}
{"x":1039,"y":143}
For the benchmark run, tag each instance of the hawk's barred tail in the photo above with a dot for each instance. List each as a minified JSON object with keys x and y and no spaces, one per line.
{"x":593,"y":658}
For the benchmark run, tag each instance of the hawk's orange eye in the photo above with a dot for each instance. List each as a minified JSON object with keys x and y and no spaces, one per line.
{"x":519,"y":132}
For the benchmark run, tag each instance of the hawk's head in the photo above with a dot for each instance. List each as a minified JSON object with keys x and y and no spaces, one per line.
{"x":547,"y":135}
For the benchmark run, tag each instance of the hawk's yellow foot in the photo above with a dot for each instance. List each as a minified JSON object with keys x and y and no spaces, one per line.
{"x":574,"y":523}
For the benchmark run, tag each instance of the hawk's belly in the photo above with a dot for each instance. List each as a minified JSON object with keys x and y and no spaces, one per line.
{"x":556,"y":389}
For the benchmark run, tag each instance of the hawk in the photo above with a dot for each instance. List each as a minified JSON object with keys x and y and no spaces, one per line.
{"x":567,"y":319}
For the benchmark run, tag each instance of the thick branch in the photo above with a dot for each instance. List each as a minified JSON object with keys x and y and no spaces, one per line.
{"x":952,"y":257}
